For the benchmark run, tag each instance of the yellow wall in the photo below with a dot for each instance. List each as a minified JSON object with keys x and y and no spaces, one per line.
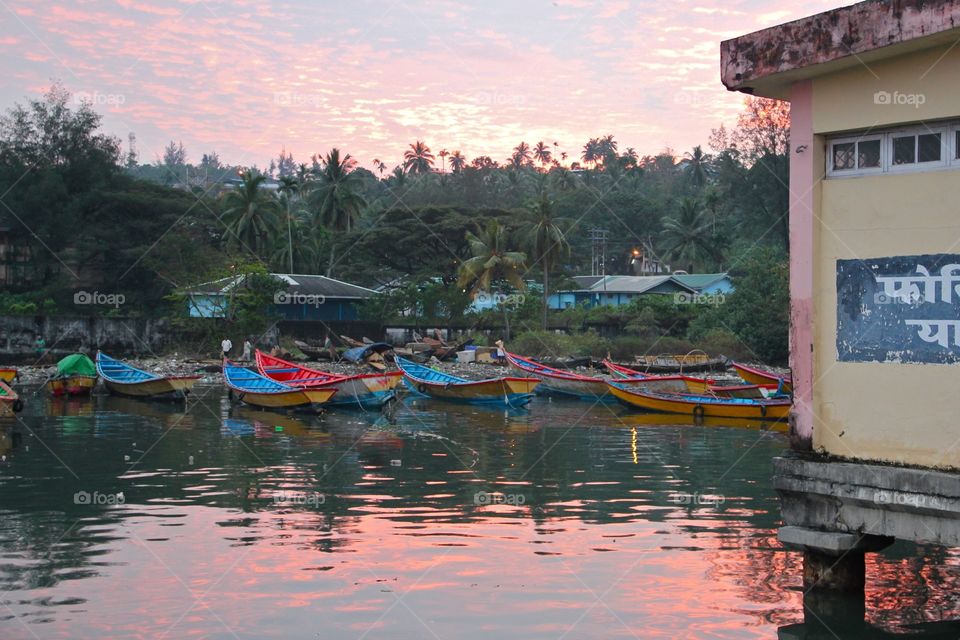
{"x":844,"y":100}
{"x":894,"y":412}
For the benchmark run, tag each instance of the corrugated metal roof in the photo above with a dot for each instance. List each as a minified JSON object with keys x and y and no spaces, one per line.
{"x":699,"y":281}
{"x":303,"y":284}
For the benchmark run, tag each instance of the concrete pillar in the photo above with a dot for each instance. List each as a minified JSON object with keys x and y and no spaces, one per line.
{"x":828,"y":572}
{"x":803,"y":192}
{"x":833,"y":561}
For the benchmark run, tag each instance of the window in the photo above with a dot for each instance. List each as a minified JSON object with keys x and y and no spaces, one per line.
{"x":917,"y":148}
{"x":856,"y":155}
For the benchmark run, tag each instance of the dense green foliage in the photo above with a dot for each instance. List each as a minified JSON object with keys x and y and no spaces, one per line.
{"x":90,"y":218}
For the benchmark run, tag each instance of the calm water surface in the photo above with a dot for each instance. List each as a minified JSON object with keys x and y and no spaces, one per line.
{"x":438,"y":521}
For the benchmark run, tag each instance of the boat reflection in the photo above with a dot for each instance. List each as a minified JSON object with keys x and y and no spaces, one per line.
{"x":676,"y":419}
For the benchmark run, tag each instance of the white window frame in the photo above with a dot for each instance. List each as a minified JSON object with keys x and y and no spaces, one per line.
{"x":948,"y":150}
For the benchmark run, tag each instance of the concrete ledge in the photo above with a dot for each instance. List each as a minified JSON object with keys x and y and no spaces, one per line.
{"x":919,"y":505}
{"x":830,"y":542}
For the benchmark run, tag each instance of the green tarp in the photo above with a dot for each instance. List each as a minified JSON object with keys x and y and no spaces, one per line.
{"x":76,"y":364}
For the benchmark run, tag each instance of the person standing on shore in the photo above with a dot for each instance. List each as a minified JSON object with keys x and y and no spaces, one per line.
{"x":225,"y":347}
{"x":247,"y":350}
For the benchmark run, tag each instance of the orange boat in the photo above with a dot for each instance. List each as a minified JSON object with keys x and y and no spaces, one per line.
{"x":702,"y":406}
{"x":753,"y":375}
{"x":8,"y":374}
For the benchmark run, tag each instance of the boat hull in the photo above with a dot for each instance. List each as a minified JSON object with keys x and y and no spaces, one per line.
{"x":174,"y":387}
{"x":366,"y":391}
{"x":8,"y":375}
{"x":703,"y":406}
{"x":757,"y":376}
{"x":296,"y":399}
{"x":571,"y":387}
{"x":72,"y":385}
{"x":508,"y":392}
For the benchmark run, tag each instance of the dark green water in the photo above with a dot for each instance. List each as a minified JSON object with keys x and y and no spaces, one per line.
{"x":440,"y":521}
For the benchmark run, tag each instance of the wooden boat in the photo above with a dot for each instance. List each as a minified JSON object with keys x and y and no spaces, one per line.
{"x":688,"y":363}
{"x":752,"y":375}
{"x":566,"y":383}
{"x":510,"y":392}
{"x":260,"y":391}
{"x":367,"y":390}
{"x":124,"y":379}
{"x":76,"y":376}
{"x":699,"y":406}
{"x":10,"y":402}
{"x":8,"y":374}
{"x":626,"y":375}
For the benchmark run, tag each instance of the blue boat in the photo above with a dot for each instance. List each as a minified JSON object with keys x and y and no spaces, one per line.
{"x":508,"y":392}
{"x":125,"y":379}
{"x":260,"y":391}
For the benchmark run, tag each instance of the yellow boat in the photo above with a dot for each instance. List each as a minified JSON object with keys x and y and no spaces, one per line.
{"x":259,"y":391}
{"x":506,"y":391}
{"x":10,"y":402}
{"x":72,"y":385}
{"x":702,"y":406}
{"x":8,"y":374}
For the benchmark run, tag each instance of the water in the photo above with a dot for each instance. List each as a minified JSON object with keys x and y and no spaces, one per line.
{"x":440,"y":521}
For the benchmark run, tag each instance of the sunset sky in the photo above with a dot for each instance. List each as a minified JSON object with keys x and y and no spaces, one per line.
{"x":247,"y":78}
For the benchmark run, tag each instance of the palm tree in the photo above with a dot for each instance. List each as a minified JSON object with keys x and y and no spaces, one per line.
{"x":250,"y":214}
{"x":542,"y":154}
{"x":591,"y":151}
{"x":698,"y":166}
{"x":443,"y":159}
{"x":521,"y":155}
{"x":336,"y":199}
{"x":457,"y":162}
{"x":687,"y":236}
{"x":492,"y":260}
{"x":380,"y":166}
{"x":399,"y":177}
{"x":418,"y":159}
{"x":289,"y":193}
{"x":547,"y":242}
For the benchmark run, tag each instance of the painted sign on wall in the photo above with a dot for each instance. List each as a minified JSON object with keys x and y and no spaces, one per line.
{"x":899,"y":309}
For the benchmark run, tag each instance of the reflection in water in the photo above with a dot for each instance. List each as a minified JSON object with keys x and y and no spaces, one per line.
{"x":122,"y":518}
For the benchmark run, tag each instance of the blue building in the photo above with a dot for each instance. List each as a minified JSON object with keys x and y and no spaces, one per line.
{"x":593,"y":291}
{"x":297,"y":297}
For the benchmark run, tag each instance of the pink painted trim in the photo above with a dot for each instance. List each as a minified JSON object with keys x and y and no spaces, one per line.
{"x":802,"y":192}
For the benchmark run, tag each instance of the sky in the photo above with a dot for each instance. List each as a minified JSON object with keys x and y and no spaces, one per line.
{"x":249,"y":78}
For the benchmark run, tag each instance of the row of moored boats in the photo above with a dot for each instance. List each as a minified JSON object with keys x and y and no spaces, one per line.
{"x":280,"y":384}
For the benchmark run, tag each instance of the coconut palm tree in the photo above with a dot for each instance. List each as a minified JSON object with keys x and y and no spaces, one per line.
{"x":542,"y":153}
{"x":336,"y":200}
{"x":290,"y":204}
{"x":457,"y":161}
{"x":521,"y":155}
{"x":251,"y":215}
{"x":591,"y":151}
{"x":698,"y":166}
{"x":418,"y":159}
{"x":687,"y":235}
{"x":546,"y":239}
{"x":380,"y":166}
{"x":443,"y":153}
{"x":491,"y":260}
